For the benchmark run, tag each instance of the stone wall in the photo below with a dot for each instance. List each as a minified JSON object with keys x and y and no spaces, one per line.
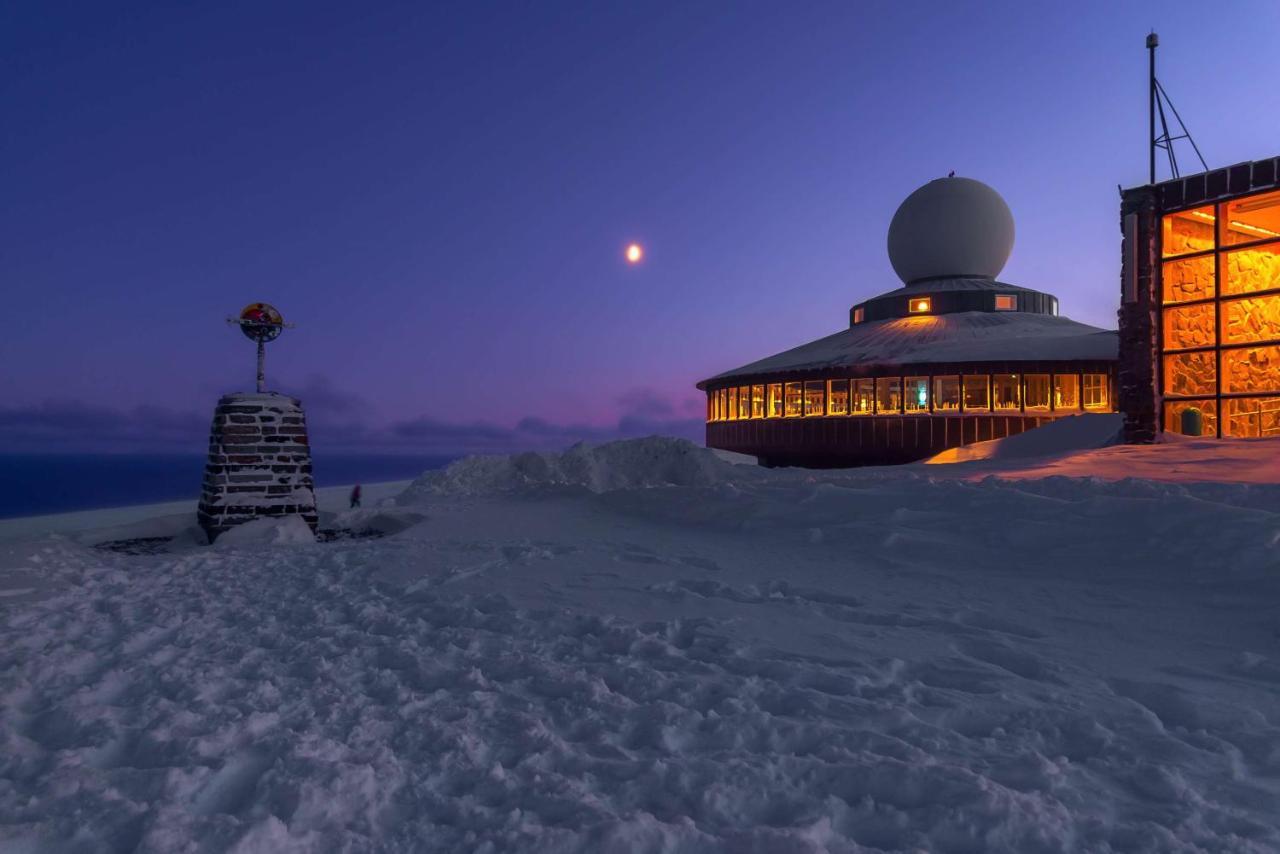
{"x":259,"y":463}
{"x":1137,"y":373}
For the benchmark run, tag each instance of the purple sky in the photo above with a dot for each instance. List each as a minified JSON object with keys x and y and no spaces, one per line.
{"x":439,"y":195}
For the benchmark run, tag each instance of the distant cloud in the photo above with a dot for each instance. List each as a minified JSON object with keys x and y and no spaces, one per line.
{"x":334,"y":421}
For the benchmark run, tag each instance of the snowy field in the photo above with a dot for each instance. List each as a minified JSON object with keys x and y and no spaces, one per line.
{"x":645,"y":647}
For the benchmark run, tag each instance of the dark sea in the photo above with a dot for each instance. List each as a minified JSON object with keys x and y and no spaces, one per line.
{"x":34,"y":484}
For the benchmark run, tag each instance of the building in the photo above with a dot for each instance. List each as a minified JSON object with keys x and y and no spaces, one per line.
{"x":1200,"y":304}
{"x":952,"y":357}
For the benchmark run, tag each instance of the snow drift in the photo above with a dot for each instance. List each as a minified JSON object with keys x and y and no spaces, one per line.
{"x":626,"y":464}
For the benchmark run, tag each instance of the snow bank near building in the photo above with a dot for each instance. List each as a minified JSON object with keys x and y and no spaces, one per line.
{"x":1073,"y":433}
{"x":627,"y":464}
{"x":274,"y":531}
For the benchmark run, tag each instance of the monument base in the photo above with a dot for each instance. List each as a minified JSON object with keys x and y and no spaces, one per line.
{"x":259,"y":463}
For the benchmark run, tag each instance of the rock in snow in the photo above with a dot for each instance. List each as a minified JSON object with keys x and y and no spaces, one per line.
{"x":567,"y":653}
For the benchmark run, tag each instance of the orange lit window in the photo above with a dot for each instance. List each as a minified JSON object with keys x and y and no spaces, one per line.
{"x":863,"y":401}
{"x":1250,"y":319}
{"x":837,"y":397}
{"x":1006,"y":391}
{"x":1191,"y":417}
{"x":916,"y":396}
{"x":1066,"y":391}
{"x":814,"y":399}
{"x":1095,"y":391}
{"x":1188,"y":279}
{"x":1249,"y":219}
{"x":744,"y":403}
{"x":1189,"y":374}
{"x":1037,"y":391}
{"x":1248,"y":270}
{"x":1006,"y":302}
{"x":1250,"y":417}
{"x":858,"y":314}
{"x":1251,"y":369}
{"x":1188,"y":326}
{"x":976,"y":392}
{"x":794,"y":400}
{"x":946,"y":394}
{"x":888,"y":395}
{"x":775,"y":401}
{"x":733,"y":404}
{"x":757,"y":401}
{"x":920,"y":305}
{"x":1187,"y":231}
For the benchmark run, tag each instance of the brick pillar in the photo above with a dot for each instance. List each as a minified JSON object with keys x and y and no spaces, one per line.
{"x":1138,"y":372}
{"x":259,"y":463}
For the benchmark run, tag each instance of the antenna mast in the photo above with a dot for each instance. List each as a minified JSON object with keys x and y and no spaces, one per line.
{"x":1157,"y":98}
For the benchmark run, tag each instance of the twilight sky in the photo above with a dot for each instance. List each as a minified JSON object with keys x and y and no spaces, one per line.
{"x":439,"y":195}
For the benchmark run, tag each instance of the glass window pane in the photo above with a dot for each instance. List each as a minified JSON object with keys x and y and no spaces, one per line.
{"x":888,"y":394}
{"x":1037,"y":391}
{"x":757,"y":401}
{"x":1188,"y":416}
{"x":1006,"y":302}
{"x":1251,"y":369}
{"x":794,"y":400}
{"x":1096,"y":394}
{"x":1188,"y":326}
{"x":775,"y":400}
{"x":975,"y":392}
{"x":1254,"y":218}
{"x":946,"y":394}
{"x":1066,"y":391}
{"x":837,"y":397}
{"x":744,"y":403}
{"x":864,"y":397}
{"x":814,"y":403}
{"x":1248,"y":270}
{"x":1004,"y":391}
{"x":916,"y":396}
{"x":1251,"y":417}
{"x":733,"y":404}
{"x":1250,"y":319}
{"x":1187,"y":279}
{"x":1188,"y":231}
{"x":1187,"y":374}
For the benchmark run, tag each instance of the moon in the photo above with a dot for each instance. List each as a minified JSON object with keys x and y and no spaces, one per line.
{"x":634,"y":253}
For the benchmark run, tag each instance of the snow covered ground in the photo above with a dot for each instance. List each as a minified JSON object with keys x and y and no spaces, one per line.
{"x":561,"y":653}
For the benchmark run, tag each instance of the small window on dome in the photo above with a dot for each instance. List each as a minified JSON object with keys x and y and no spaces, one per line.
{"x":858,"y":314}
{"x":1006,"y":302}
{"x":920,"y":305}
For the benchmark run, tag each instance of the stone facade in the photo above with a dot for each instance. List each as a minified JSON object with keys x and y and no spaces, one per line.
{"x":1138,"y":371}
{"x":259,"y":463}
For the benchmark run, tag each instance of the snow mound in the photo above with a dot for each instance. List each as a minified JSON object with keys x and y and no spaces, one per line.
{"x":1064,"y":435}
{"x":626,"y":464}
{"x":279,"y":531}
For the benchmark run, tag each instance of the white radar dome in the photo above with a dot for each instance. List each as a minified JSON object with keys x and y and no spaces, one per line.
{"x":951,"y":227}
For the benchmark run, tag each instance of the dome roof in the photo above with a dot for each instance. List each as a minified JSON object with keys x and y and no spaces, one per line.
{"x":951,"y":227}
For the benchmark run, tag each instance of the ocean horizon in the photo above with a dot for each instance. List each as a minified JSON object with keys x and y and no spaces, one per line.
{"x":38,"y":484}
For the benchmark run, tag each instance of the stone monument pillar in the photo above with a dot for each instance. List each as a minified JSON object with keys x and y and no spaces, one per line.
{"x":259,"y":456}
{"x":259,"y":463}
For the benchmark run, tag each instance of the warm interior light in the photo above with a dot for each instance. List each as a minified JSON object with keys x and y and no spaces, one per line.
{"x":919,"y":306}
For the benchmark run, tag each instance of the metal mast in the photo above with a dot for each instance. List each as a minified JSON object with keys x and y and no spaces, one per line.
{"x":1157,"y":99}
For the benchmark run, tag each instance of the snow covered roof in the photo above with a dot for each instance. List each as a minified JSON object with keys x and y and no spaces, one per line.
{"x":971,"y":336}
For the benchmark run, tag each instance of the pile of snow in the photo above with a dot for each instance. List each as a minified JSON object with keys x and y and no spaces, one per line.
{"x":1064,"y":435}
{"x":273,"y":531}
{"x":627,"y":464}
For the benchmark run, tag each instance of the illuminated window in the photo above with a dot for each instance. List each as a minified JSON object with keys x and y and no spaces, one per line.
{"x":1006,"y":302}
{"x":916,"y":394}
{"x":1191,"y":417}
{"x":733,"y":404}
{"x":1005,"y":391}
{"x":864,"y":397}
{"x":976,"y":392}
{"x":1066,"y":391}
{"x":1187,"y":326}
{"x":814,"y":399}
{"x":1251,"y":319}
{"x":1251,"y":417}
{"x":837,"y":397}
{"x":723,"y":394}
{"x":757,"y":401}
{"x":1249,"y":219}
{"x":946,"y":394}
{"x":744,"y":403}
{"x":1187,"y":279}
{"x":1095,"y":391}
{"x":1254,"y":269}
{"x":888,"y":395}
{"x":775,"y":400}
{"x":858,"y":314}
{"x":1250,"y":369}
{"x":1190,"y":374}
{"x":1187,"y":231}
{"x":794,"y":400}
{"x":920,"y":305}
{"x":711,"y":406}
{"x":1037,"y":391}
